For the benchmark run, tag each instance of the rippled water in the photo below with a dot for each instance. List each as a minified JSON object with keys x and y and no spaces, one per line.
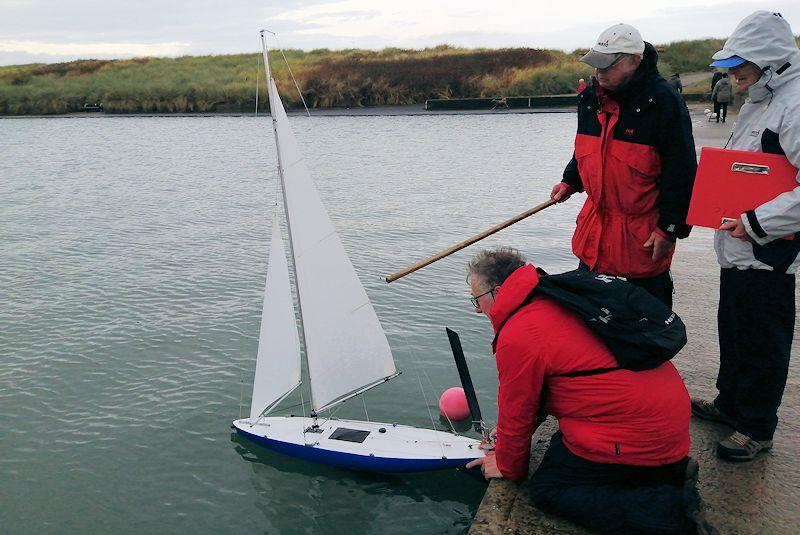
{"x":132,"y":263}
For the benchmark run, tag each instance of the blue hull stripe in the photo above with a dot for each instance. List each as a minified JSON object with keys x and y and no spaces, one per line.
{"x":361,"y":463}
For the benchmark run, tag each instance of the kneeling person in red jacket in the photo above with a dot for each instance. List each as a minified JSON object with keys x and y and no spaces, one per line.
{"x":618,"y":462}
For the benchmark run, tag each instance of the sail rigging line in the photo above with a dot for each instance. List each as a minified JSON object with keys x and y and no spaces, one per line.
{"x":241,"y":396}
{"x":364,"y":401}
{"x":450,"y":423}
{"x":280,"y":49}
{"x":421,"y":387}
{"x":258,"y":68}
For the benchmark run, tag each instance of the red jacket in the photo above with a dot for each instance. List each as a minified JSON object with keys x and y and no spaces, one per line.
{"x":635,"y":158}
{"x":620,"y":417}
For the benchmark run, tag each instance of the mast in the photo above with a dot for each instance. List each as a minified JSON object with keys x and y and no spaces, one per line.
{"x":270,"y":96}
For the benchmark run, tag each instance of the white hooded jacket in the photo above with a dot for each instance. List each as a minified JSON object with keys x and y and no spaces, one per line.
{"x":769,"y":121}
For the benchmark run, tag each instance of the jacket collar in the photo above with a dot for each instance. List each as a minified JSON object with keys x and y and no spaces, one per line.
{"x":511,"y":294}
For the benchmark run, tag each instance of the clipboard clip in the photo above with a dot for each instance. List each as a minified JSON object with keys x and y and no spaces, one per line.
{"x":751,"y":168}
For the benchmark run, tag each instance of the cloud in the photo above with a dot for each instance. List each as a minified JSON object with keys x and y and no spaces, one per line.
{"x":93,"y":50}
{"x":422,"y":19}
{"x":43,"y":30}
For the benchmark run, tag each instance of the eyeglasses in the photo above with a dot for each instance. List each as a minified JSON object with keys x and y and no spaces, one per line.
{"x":474,"y":299}
{"x":614,"y":64}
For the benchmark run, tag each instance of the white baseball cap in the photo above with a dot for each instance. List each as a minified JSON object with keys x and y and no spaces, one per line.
{"x":612,"y":43}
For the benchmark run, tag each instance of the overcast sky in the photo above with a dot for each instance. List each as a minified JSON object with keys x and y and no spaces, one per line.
{"x":53,"y":30}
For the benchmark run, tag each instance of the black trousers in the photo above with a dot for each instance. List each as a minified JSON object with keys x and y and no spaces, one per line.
{"x":721,"y":107}
{"x":613,"y":498}
{"x":660,"y":286}
{"x":756,"y":325}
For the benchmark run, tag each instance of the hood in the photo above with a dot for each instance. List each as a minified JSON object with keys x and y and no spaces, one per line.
{"x":649,"y":63}
{"x":512,"y":293}
{"x":765,"y":39}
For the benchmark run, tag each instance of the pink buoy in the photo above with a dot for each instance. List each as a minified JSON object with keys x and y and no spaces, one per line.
{"x":453,"y":404}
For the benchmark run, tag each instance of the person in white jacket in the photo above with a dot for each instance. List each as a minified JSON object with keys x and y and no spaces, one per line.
{"x":757,"y":284}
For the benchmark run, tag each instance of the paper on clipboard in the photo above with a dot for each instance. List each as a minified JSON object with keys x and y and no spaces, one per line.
{"x":731,"y":182}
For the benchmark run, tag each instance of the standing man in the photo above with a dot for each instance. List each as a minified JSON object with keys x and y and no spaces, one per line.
{"x":618,"y":463}
{"x":757,"y":282}
{"x":675,"y":82}
{"x":715,"y":78}
{"x":722,"y":96}
{"x":635,"y":158}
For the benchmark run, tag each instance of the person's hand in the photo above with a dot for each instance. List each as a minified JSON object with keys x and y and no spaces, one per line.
{"x":493,"y":434}
{"x":488,"y":465}
{"x":736,"y":229}
{"x":661,"y":246}
{"x":561,"y":192}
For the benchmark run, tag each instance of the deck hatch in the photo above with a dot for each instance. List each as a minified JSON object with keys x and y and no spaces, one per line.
{"x":349,"y":435}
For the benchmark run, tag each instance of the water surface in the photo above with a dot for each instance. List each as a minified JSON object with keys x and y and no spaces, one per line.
{"x":132,"y":263}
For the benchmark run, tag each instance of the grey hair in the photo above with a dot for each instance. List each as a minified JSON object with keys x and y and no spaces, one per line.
{"x":495,"y":265}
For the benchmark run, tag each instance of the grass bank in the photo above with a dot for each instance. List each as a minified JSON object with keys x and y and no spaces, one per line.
{"x":327,"y":78}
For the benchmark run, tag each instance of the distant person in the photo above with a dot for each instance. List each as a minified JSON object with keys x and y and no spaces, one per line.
{"x":618,"y":462}
{"x":675,"y":82}
{"x":581,"y":85}
{"x":722,"y":95}
{"x":715,"y":78}
{"x":757,"y":281}
{"x":635,"y":158}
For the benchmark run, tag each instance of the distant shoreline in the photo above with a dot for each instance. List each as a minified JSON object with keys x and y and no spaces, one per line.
{"x":330,"y":80}
{"x":368,"y":111}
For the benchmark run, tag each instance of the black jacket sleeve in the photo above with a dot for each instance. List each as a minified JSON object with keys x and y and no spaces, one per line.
{"x":571,"y":175}
{"x":678,"y":166}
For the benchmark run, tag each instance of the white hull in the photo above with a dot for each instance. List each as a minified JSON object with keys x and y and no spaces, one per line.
{"x":362,"y":446}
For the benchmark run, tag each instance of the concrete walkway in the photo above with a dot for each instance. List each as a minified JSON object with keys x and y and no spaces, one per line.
{"x":760,"y":497}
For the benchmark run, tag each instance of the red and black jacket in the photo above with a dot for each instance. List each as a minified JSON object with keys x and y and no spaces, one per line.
{"x":635,"y":158}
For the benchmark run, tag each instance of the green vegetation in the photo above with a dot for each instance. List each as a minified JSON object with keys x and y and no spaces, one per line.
{"x":228,"y":83}
{"x":688,"y":56}
{"x":328,"y":78}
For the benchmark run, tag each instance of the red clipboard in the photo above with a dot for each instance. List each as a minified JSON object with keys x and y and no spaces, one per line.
{"x":731,"y":182}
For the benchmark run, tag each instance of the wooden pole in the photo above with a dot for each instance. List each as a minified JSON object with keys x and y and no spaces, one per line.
{"x":470,"y":241}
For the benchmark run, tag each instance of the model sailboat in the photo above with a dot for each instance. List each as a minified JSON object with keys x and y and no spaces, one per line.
{"x":345,"y":346}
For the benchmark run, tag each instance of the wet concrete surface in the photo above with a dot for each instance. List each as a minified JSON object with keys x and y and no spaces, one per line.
{"x":759,"y":497}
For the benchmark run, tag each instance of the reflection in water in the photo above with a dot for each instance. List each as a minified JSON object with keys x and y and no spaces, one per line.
{"x":422,"y":488}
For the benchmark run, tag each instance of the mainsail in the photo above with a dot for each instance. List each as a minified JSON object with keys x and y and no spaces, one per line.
{"x":346,"y":346}
{"x":278,"y":363}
